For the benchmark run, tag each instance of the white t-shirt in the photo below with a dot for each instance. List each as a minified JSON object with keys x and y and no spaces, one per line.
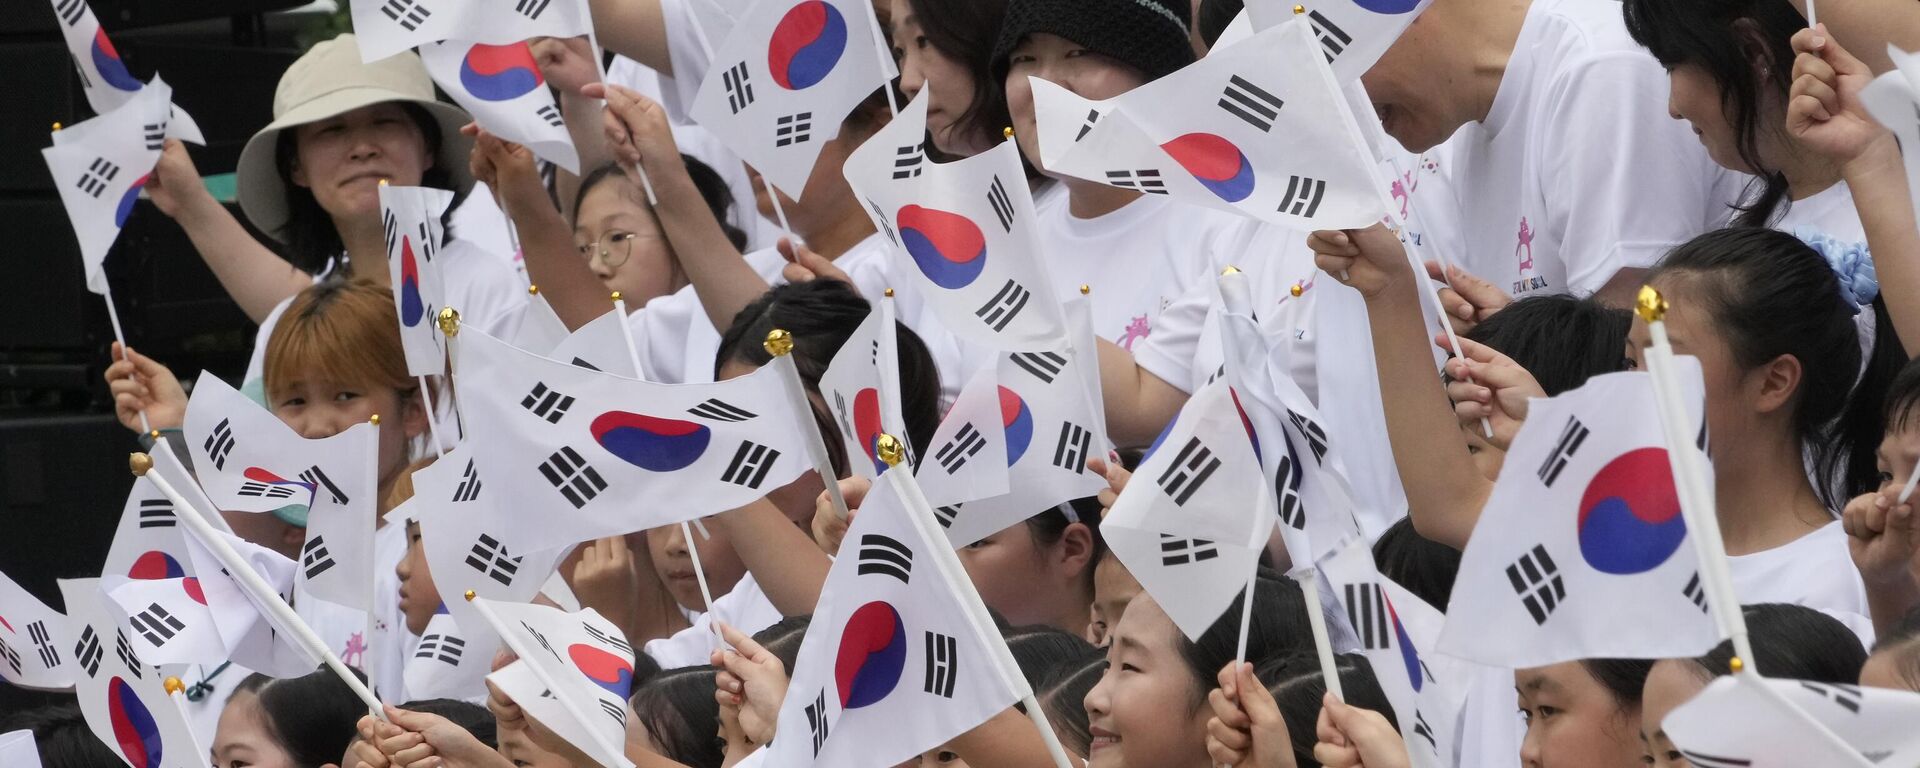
{"x":676,"y":341}
{"x":1577,"y":171}
{"x":1814,"y":570}
{"x":1137,"y":260}
{"x":1184,"y":348}
{"x":745,"y":608}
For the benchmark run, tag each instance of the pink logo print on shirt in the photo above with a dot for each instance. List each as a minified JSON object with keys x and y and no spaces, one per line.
{"x":1138,"y":328}
{"x":1524,"y":249}
{"x":354,"y":655}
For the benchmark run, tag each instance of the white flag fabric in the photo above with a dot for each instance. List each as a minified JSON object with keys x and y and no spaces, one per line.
{"x":18,"y":749}
{"x":965,"y":230}
{"x":501,"y":86}
{"x":853,"y":387}
{"x":596,"y":452}
{"x":788,"y":73}
{"x":1582,"y":551}
{"x":245,"y":625}
{"x":1048,"y":428}
{"x":454,"y":508}
{"x":1260,"y":128}
{"x":104,"y":76}
{"x":1352,"y":33}
{"x":449,"y":662}
{"x":1392,"y":627}
{"x":582,"y":670}
{"x":1191,"y":524}
{"x":1737,"y":723}
{"x":100,"y":165}
{"x":600,"y":345}
{"x":540,"y":329}
{"x":148,"y":543}
{"x":122,"y":697}
{"x":1893,"y":98}
{"x":411,"y":216}
{"x":387,"y":27}
{"x":168,"y":619}
{"x":967,"y":457}
{"x":34,"y":640}
{"x":887,"y":619}
{"x":249,"y":461}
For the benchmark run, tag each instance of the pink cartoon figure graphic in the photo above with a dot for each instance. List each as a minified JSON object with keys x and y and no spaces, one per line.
{"x":355,"y":652}
{"x":1524,"y":249}
{"x":1138,"y":328}
{"x":1402,"y":194}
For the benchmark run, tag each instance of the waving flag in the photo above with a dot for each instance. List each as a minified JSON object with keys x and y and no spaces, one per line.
{"x":465,"y":550}
{"x":122,"y":697}
{"x":1738,"y":723}
{"x":100,"y":165}
{"x":148,"y":544}
{"x":1581,"y":551}
{"x":1397,"y":632}
{"x":967,"y":458}
{"x":887,"y":619}
{"x":18,"y":749}
{"x":386,"y":27}
{"x":1261,"y":129}
{"x":1352,"y":33}
{"x":249,"y":461}
{"x":169,"y":619}
{"x":501,"y":86}
{"x":853,"y":389}
{"x":104,"y":76}
{"x":789,"y":72}
{"x":574,"y":674}
{"x":540,"y":329}
{"x":1192,"y":523}
{"x":1893,"y":98}
{"x":35,"y":650}
{"x":595,"y":452}
{"x":252,"y":639}
{"x":411,"y":218}
{"x":450,"y":662}
{"x":600,"y":345}
{"x":965,"y":230}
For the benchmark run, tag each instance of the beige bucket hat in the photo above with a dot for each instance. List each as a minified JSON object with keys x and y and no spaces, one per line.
{"x":331,"y":80}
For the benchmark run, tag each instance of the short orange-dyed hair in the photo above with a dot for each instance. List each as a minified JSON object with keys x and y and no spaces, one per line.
{"x":402,"y":489}
{"x":344,"y":331}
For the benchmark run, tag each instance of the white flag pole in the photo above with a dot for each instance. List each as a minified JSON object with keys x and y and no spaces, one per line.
{"x":1813,"y":18}
{"x":483,"y":605}
{"x":779,"y":343}
{"x":633,"y":169}
{"x":886,"y":62}
{"x":371,"y":661}
{"x":278,"y":611}
{"x":892,"y":418}
{"x":113,"y":317}
{"x":920,"y":513}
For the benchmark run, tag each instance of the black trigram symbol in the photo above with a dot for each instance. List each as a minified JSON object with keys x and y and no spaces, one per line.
{"x":219,"y":444}
{"x":1251,"y":103}
{"x":907,"y":161}
{"x":581,"y":362}
{"x":43,"y":643}
{"x":407,"y":13}
{"x":428,"y":238}
{"x":793,"y":129}
{"x":721,"y":410}
{"x":1700,"y":440}
{"x":490,"y":558}
{"x":1071,"y":450}
{"x":572,"y":476}
{"x":1286,"y":482}
{"x":469,"y":487}
{"x":124,"y":650}
{"x":1005,"y":305}
{"x":943,"y":664}
{"x":541,"y":639}
{"x":1334,"y":39}
{"x":11,"y":656}
{"x":1143,"y":179}
{"x":1571,"y":436}
{"x":264,"y":490}
{"x":886,"y":556}
{"x":1847,"y":696}
{"x":739,"y":87}
{"x":1315,"y":436}
{"x":155,"y":135}
{"x":1093,"y":116}
{"x":99,"y":173}
{"x":1703,"y":760}
{"x":1367,"y":612}
{"x":550,"y":115}
{"x":965,"y":443}
{"x":85,"y":82}
{"x":1189,"y":470}
{"x":846,"y":414}
{"x":1537,"y":581}
{"x":315,"y":557}
{"x":750,"y":464}
{"x":547,"y":403}
{"x":157,"y":513}
{"x":817,"y":721}
{"x":608,"y":639}
{"x":1303,"y":196}
{"x":156,"y":624}
{"x":317,"y":478}
{"x":443,"y":648}
{"x":1002,"y":205}
{"x":886,"y":222}
{"x":947,"y":514}
{"x":532,"y":8}
{"x":390,"y":224}
{"x":70,"y":10}
{"x":1178,"y":551}
{"x":1043,"y":365}
{"x":87,"y":651}
{"x":1694,"y":592}
{"x":614,"y":710}
{"x":1424,"y":731}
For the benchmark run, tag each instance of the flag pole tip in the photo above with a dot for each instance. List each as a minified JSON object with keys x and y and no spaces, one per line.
{"x":890,"y":449}
{"x":383,"y":182}
{"x":450,"y":321}
{"x":140,"y":463}
{"x":533,"y":290}
{"x":889,"y":293}
{"x":1651,"y":306}
{"x":616,"y":296}
{"x":471,"y":595}
{"x":374,"y":420}
{"x":1735,"y":665}
{"x":779,"y":342}
{"x":56,"y":126}
{"x":1085,"y":289}
{"x":173,"y":685}
{"x":1299,"y":9}
{"x":154,"y":434}
{"x":1230,"y":270}
{"x":1007,"y":132}
{"x":1296,"y":290}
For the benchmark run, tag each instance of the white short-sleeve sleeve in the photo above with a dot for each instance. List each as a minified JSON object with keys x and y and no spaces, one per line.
{"x":1170,"y":350}
{"x":745,"y":608}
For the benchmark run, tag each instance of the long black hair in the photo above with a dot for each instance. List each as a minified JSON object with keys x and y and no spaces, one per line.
{"x":62,"y":737}
{"x":966,"y":31}
{"x":1561,"y":339}
{"x":1792,"y":641}
{"x":1745,"y":46}
{"x":1622,"y":678}
{"x":679,"y":712}
{"x":1299,"y":691}
{"x":1278,"y":626}
{"x":312,"y":242}
{"x":1770,"y":295}
{"x":312,"y":717}
{"x":713,"y":191}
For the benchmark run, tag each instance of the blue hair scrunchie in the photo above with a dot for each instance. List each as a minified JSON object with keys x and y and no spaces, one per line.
{"x":1851,"y":262}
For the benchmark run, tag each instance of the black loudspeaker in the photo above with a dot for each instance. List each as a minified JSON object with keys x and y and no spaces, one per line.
{"x":32,"y":111}
{"x":117,"y":15}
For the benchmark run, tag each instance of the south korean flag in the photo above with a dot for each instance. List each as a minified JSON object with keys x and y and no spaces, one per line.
{"x":857,"y":395}
{"x":1749,"y":721}
{"x":1398,"y":632}
{"x":122,"y":696}
{"x":450,"y":662}
{"x":99,"y":167}
{"x":383,"y":28}
{"x":104,"y":75}
{"x":452,"y":502}
{"x":501,"y":86}
{"x":574,"y":674}
{"x":36,"y":642}
{"x":1353,"y":34}
{"x":411,"y":218}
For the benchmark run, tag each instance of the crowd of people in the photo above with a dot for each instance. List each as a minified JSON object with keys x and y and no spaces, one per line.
{"x":1781,"y":232}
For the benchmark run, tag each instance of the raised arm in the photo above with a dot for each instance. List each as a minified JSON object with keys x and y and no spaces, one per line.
{"x":256,"y":278}
{"x":781,"y":556}
{"x":567,"y":63}
{"x":636,"y":29}
{"x":1138,"y":403}
{"x":546,"y":242}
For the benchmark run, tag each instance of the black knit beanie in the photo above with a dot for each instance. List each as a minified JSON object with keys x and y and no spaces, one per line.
{"x":1150,"y":35}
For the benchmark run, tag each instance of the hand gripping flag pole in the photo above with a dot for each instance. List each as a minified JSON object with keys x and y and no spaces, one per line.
{"x":566,"y":701}
{"x":779,"y":343}
{"x":278,"y":611}
{"x":893,"y":451}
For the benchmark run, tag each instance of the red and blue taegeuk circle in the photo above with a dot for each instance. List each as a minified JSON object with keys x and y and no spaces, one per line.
{"x":413,"y":308}
{"x":499,"y":72}
{"x":125,"y":208}
{"x":1409,"y":655}
{"x":1017,"y":419}
{"x":806,"y":45}
{"x":106,"y":61}
{"x":155,"y":564}
{"x":866,"y":425}
{"x":1214,"y":162}
{"x":947,"y":247}
{"x":1388,"y":7}
{"x":873,"y":651}
{"x":134,"y":729}
{"x":610,"y":672}
{"x":650,"y":442}
{"x":1630,"y":518}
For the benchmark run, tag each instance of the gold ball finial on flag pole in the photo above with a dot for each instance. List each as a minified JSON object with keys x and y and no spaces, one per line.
{"x":1007,"y":132}
{"x":1651,"y":306}
{"x":1299,"y":9}
{"x":471,"y":595}
{"x":1735,"y":665}
{"x":1230,"y":270}
{"x":779,"y":343}
{"x":450,"y":321}
{"x":140,"y":463}
{"x":1085,"y":289}
{"x":383,"y":182}
{"x":616,"y":296}
{"x":374,"y":419}
{"x":889,"y":293}
{"x":890,"y":449}
{"x":533,"y":290}
{"x":1296,"y":290}
{"x":173,"y":685}
{"x":154,"y":434}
